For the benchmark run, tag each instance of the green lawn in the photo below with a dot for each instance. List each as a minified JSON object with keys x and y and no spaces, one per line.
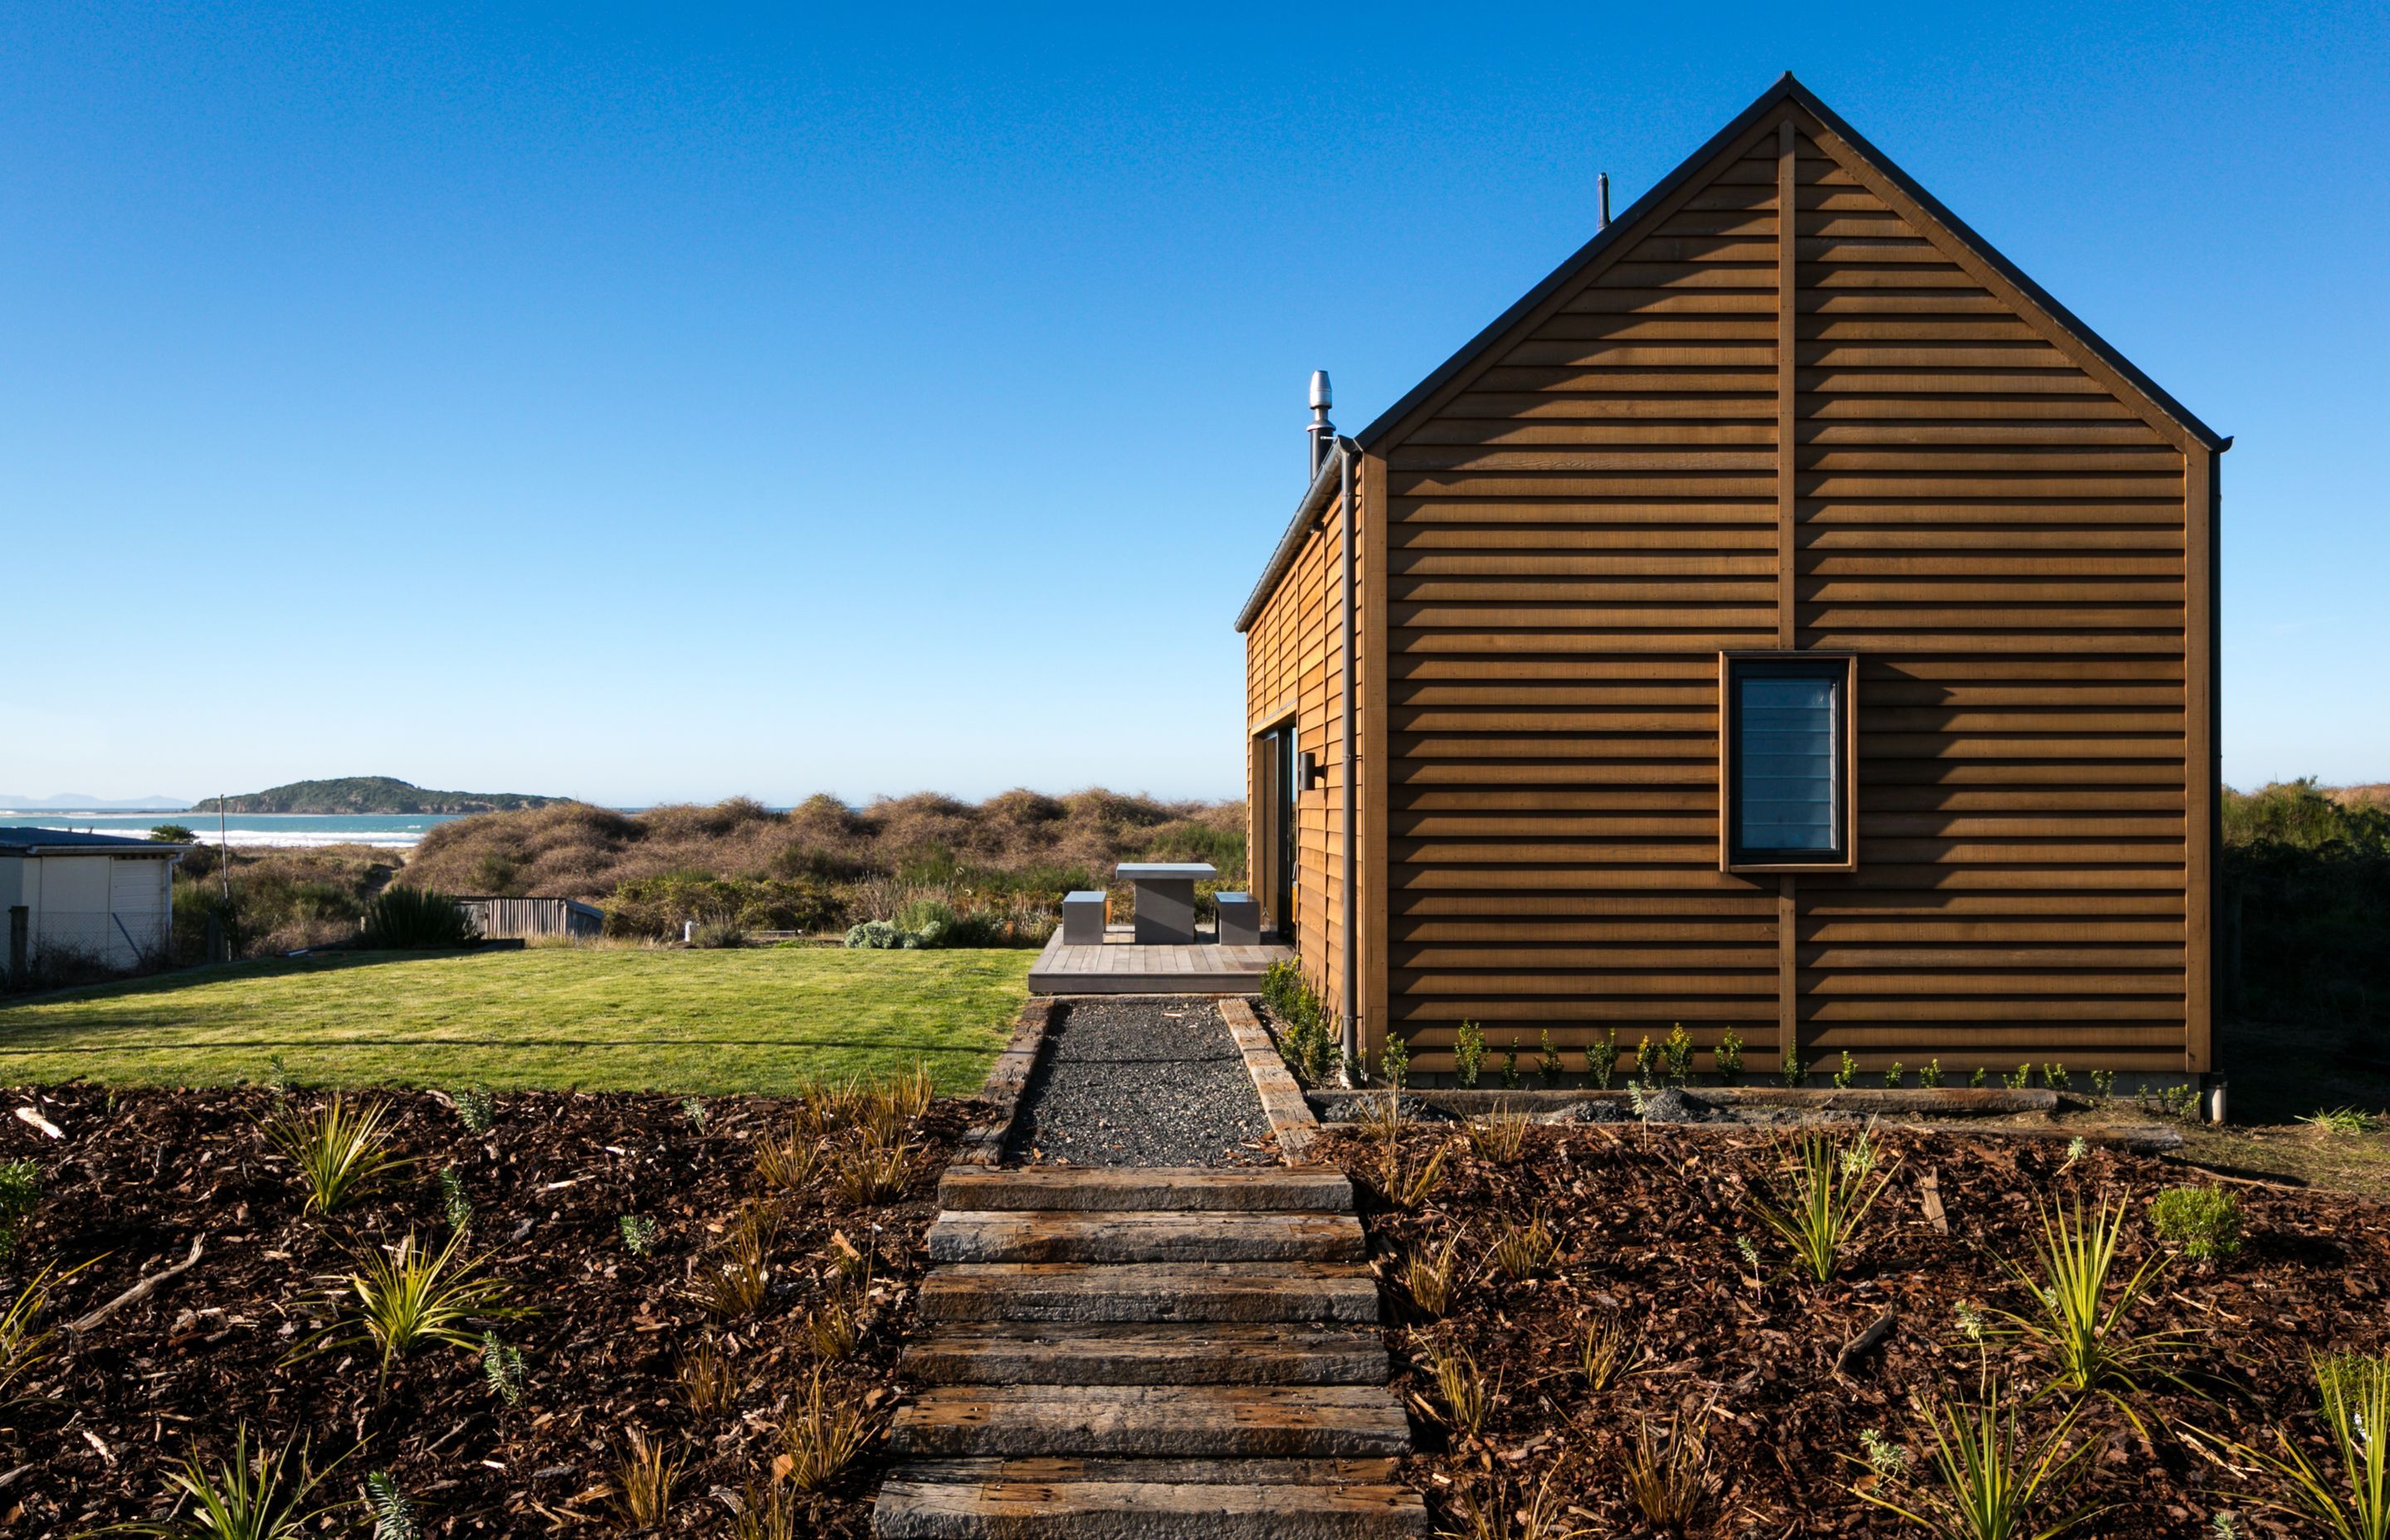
{"x":704,"y":1023}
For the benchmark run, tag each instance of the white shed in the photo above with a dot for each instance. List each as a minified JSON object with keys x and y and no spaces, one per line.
{"x":95,"y":898}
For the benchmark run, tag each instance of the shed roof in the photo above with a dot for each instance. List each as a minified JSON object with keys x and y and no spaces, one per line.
{"x":65,"y":842}
{"x":2065,"y":326}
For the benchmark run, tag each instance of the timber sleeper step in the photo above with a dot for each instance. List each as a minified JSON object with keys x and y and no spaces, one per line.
{"x":1152,"y":1422}
{"x":949,"y":1500}
{"x":1009,"y":1352}
{"x":1346,"y":1293}
{"x":1183,"y":1188}
{"x":1144,"y":1235}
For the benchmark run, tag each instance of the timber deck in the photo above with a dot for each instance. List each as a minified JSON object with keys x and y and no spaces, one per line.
{"x":1122,"y":966}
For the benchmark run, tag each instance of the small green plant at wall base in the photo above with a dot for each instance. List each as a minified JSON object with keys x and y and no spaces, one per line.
{"x":1468,"y":1053}
{"x":1646,"y":1062}
{"x":1394,"y":1062}
{"x":1677,"y":1054}
{"x":639,"y":1234}
{"x":20,"y":1190}
{"x":1549,"y":1066}
{"x":2103,"y":1085}
{"x":502,"y":1368}
{"x":1789,"y":1066}
{"x":1727,"y":1056}
{"x":1976,"y":1080}
{"x":1931,"y":1076}
{"x":1601,"y":1059}
{"x":1510,"y":1065}
{"x":2053,"y":1077}
{"x":1848,"y":1074}
{"x":2022,"y":1078}
{"x":1892,"y":1076}
{"x":2201,"y":1222}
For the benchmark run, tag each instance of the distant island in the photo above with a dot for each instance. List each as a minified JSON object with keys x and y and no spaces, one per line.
{"x":368,"y":794}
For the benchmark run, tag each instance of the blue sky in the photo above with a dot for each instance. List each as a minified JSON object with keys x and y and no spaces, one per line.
{"x":673,"y":402}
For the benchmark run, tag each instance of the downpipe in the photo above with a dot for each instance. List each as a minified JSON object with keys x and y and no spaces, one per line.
{"x":1356,"y":1072}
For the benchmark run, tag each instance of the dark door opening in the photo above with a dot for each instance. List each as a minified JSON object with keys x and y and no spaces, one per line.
{"x":1274,"y":827}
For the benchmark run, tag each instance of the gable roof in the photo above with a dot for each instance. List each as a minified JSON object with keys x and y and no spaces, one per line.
{"x":1787,"y":89}
{"x":62,"y":841}
{"x":2062,"y":324}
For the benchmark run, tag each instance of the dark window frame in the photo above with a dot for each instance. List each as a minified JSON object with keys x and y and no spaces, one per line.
{"x":1843,"y":669}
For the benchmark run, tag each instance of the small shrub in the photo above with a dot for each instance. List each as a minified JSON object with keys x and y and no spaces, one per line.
{"x":417,"y":919}
{"x":823,"y":1436}
{"x":1727,"y":1056}
{"x":1646,"y":1062}
{"x":718,"y":935}
{"x":2201,"y":1223}
{"x":340,"y":1149}
{"x":20,"y":1191}
{"x":2103,"y":1085}
{"x":476,"y":1109}
{"x":393,"y":1514}
{"x":1931,"y":1076}
{"x":1468,"y":1053}
{"x":2054,"y":1077}
{"x":502,"y":1368}
{"x":2022,"y":1078}
{"x":693,"y":1110}
{"x":1510,"y":1065}
{"x":1677,"y":1054}
{"x":1849,"y":1071}
{"x":1547,"y":1063}
{"x":1789,"y":1066}
{"x":1975,"y":1080}
{"x":639,"y":1234}
{"x":1894,"y":1076}
{"x":876,"y":935}
{"x":644,"y":1480}
{"x":1394,"y":1062}
{"x":1601,"y":1059}
{"x":454,"y":1206}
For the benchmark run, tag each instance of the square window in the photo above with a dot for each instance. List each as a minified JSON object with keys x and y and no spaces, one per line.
{"x":1786,"y":751}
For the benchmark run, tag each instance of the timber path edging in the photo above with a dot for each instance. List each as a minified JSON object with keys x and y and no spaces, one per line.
{"x":1180,"y":1353}
{"x":1291,"y":1122}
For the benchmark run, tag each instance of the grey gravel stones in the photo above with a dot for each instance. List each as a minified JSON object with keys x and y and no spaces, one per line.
{"x":1141,"y":1083}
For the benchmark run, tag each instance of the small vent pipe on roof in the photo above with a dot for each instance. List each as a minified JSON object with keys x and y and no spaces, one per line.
{"x":1322,"y":431}
{"x":1603,"y":180}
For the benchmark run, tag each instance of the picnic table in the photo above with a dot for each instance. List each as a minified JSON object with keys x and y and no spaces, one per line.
{"x":1165,"y":898}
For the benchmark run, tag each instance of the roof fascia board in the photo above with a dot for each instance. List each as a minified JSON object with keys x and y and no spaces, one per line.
{"x":1298,"y":532}
{"x":1984,"y":262}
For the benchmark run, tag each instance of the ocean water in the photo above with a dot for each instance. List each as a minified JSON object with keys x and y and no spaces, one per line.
{"x":392,"y":831}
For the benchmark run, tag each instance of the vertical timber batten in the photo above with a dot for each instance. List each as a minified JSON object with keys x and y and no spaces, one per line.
{"x":1788,"y":294}
{"x":2202,"y":769}
{"x":1377,"y":652}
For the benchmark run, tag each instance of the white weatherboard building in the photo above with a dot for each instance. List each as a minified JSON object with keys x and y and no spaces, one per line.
{"x":87,"y":897}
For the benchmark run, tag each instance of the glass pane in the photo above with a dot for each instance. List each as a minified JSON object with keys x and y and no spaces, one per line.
{"x":1786,"y":801}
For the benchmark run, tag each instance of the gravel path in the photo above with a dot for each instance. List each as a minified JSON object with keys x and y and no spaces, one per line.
{"x":1142,"y":1083}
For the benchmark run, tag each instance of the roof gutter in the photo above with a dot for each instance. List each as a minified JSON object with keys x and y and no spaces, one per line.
{"x":1307,"y":514}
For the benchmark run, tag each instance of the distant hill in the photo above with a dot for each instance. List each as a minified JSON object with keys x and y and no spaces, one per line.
{"x":368,"y":794}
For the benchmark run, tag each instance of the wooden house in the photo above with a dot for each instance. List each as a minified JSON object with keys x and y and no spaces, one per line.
{"x":1786,"y":619}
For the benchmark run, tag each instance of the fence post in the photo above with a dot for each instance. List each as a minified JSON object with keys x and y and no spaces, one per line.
{"x":215,"y":938}
{"x":20,"y":920}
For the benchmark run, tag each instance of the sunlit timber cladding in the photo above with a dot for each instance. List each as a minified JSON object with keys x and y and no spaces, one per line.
{"x":1949,"y":558}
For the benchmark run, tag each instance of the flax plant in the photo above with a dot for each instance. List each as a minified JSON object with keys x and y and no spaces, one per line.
{"x":870,"y":1170}
{"x":341,"y":1149}
{"x":1991,"y":1482}
{"x":249,"y":1496}
{"x":2078,"y":1323}
{"x":24,"y":1342}
{"x":788,"y":1160}
{"x":1820,"y":1195}
{"x":410,"y":1298}
{"x":2353,"y":1393}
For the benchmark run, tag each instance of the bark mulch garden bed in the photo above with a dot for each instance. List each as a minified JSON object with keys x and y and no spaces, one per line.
{"x":137,"y":1177}
{"x":1647,"y":1223}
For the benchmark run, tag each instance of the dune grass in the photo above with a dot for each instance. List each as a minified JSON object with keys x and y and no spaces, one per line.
{"x":697,"y":1023}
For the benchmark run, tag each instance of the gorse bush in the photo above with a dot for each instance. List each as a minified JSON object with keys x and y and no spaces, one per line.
{"x":417,"y":919}
{"x":656,"y":907}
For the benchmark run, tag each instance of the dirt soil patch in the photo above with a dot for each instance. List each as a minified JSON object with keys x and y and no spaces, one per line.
{"x":138,"y":1176}
{"x":1648,"y":1220}
{"x":1142,"y":1083}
